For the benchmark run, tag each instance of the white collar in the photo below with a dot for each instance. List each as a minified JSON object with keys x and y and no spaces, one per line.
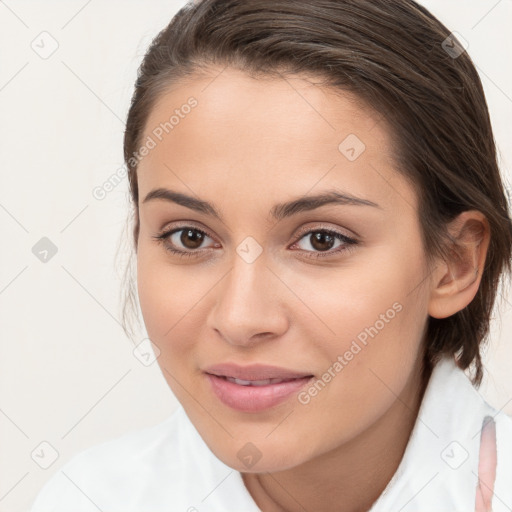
{"x":439,"y":469}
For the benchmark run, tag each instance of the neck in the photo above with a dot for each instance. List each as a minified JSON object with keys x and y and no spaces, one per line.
{"x":354,"y":474}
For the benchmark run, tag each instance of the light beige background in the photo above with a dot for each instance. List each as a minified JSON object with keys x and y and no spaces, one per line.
{"x":68,"y":375}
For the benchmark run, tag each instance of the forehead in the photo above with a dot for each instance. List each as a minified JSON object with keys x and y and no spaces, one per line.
{"x":270,"y":136}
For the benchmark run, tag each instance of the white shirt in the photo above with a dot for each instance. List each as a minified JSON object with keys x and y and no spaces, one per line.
{"x":168,"y":467}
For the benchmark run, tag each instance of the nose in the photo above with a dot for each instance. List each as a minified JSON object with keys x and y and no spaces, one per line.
{"x":249,"y":304}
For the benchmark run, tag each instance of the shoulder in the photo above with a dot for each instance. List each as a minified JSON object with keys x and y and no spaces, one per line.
{"x":125,"y":466}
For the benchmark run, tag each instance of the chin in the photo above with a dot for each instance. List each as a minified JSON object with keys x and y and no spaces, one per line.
{"x":261,"y":456}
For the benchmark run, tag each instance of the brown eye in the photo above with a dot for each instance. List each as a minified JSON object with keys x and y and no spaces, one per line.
{"x":191,"y":238}
{"x":183,"y":241}
{"x":324,"y":242}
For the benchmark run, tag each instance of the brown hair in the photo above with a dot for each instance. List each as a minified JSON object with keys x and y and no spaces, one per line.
{"x":397,"y":58}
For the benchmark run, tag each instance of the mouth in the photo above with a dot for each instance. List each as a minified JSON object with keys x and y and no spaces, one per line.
{"x":254,"y":388}
{"x":264,"y":382}
{"x":255,"y":372}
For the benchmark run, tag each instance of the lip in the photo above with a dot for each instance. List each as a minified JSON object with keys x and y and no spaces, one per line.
{"x":254,"y":372}
{"x":249,"y":398}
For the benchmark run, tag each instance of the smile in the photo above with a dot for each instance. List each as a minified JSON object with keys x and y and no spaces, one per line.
{"x":255,"y":395}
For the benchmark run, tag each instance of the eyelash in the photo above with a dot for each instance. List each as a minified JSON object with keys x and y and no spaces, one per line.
{"x":350,"y":242}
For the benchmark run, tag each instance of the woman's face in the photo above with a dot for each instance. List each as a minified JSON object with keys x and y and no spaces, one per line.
{"x":331,"y":293}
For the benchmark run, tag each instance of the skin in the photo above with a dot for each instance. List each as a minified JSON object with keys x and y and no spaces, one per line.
{"x":249,"y":144}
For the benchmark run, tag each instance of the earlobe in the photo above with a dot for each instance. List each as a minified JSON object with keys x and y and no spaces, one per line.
{"x":457,"y":279}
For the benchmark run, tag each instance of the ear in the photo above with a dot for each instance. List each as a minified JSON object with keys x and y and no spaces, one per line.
{"x":455,"y":282}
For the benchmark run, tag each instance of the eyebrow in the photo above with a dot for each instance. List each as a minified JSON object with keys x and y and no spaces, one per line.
{"x":278,"y":211}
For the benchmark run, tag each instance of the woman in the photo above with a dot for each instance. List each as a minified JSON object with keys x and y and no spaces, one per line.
{"x":320,"y":228}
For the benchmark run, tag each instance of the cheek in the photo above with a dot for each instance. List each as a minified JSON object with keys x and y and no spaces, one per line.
{"x":163,"y":297}
{"x":167,"y":296}
{"x":172,"y":300}
{"x":153,"y":294}
{"x":374,"y":298}
{"x":377,"y":317}
{"x":374,"y":294}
